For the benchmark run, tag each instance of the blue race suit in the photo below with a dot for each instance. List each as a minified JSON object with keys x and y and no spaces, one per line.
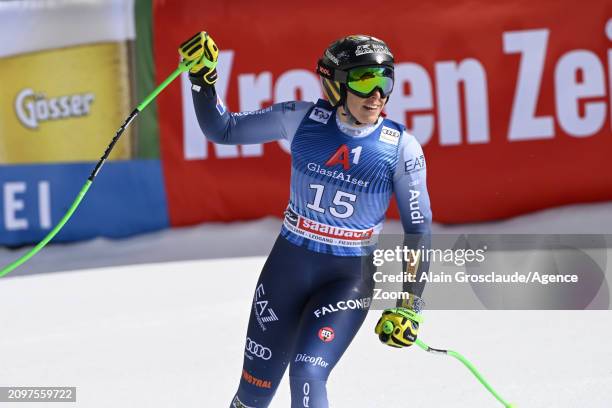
{"x":315,"y":288}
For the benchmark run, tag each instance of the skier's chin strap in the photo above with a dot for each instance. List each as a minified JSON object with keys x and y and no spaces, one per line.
{"x":352,"y":120}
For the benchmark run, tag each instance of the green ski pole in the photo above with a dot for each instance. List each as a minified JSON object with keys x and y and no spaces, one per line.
{"x":470,"y":367}
{"x":183,"y":67}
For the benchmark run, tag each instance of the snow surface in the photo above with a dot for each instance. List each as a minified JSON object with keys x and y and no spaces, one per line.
{"x":159,"y":321}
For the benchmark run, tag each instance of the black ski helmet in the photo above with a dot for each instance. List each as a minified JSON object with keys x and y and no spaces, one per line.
{"x":344,"y":54}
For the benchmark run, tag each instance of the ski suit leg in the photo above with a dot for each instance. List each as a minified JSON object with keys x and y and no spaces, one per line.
{"x":329,"y":323}
{"x":280,"y":295}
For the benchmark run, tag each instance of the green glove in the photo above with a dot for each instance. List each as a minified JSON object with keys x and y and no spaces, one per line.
{"x":398,"y":327}
{"x":201,"y":49}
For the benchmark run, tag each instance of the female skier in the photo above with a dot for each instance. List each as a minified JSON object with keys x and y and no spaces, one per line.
{"x":315,"y":288}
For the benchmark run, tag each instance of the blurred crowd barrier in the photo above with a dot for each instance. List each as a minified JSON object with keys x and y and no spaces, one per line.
{"x":511,"y":101}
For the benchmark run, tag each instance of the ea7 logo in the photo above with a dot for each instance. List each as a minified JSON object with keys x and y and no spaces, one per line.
{"x":263,"y":313}
{"x":320,"y":115}
{"x":414,"y":164}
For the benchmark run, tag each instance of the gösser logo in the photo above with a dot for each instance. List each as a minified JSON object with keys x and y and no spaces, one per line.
{"x":32,"y":108}
{"x":257,"y":350}
{"x":326,"y":334}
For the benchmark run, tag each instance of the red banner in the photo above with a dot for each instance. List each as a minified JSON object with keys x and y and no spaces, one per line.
{"x":510,"y":100}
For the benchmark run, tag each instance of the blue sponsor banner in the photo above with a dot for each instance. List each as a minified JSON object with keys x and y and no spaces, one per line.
{"x":127,"y":198}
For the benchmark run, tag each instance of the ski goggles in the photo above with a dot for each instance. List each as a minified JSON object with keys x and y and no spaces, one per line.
{"x":363,"y":81}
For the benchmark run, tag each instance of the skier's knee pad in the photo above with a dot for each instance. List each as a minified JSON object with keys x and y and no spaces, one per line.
{"x":305,"y":371}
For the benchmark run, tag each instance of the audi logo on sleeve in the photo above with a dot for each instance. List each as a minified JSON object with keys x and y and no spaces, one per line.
{"x":254,"y":349}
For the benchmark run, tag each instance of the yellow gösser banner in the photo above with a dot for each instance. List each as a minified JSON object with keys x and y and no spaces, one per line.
{"x":63,"y":105}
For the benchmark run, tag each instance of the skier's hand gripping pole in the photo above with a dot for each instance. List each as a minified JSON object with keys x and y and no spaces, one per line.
{"x":203,"y":53}
{"x":184,"y":66}
{"x":398,"y":327}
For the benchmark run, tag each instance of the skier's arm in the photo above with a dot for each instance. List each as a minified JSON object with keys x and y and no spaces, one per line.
{"x":279,"y":121}
{"x":410,"y":186}
{"x":399,"y":326}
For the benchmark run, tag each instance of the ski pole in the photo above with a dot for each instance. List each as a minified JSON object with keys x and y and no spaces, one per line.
{"x":182,"y":67}
{"x":470,"y":367}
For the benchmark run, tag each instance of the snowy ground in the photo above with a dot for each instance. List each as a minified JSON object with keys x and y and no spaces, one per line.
{"x":159,"y":321}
